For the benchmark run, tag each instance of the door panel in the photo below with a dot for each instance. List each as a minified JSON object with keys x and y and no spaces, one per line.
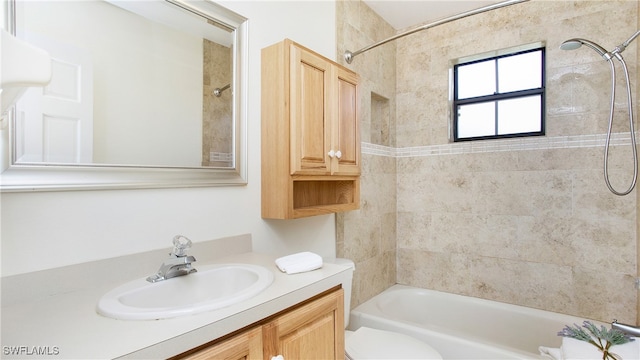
{"x":314,"y":341}
{"x":46,"y":116}
{"x":246,"y":346}
{"x":347,"y":132}
{"x":310,"y":78}
{"x":312,"y":331}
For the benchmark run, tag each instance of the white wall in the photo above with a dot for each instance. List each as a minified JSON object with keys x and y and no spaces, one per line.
{"x":44,"y":230}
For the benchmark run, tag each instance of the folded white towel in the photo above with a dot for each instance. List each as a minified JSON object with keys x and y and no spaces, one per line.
{"x":300,"y":262}
{"x":550,"y":353}
{"x":576,"y":349}
{"x":573,"y":349}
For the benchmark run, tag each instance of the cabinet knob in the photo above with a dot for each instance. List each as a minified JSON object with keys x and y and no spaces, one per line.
{"x":278,"y":357}
{"x":332,"y":153}
{"x":339,"y":154}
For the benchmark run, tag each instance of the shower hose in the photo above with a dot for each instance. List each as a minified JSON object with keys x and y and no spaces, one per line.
{"x":631,"y":129}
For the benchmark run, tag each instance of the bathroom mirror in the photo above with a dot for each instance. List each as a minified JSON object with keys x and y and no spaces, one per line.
{"x":143,"y":94}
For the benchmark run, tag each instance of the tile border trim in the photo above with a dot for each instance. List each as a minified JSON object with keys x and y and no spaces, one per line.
{"x":486,"y":146}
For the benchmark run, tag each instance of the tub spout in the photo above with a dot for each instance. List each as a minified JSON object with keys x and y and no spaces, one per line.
{"x":625,"y":328}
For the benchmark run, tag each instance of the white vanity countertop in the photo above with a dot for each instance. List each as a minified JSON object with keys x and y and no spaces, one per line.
{"x":68,"y":327}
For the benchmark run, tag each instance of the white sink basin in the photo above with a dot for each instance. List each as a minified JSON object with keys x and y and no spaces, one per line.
{"x":212,"y":287}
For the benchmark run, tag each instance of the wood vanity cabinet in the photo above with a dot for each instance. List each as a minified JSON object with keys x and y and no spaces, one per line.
{"x":313,"y":329}
{"x":310,"y":134}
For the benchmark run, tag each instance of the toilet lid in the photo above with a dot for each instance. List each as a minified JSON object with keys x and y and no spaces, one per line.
{"x":368,"y":343}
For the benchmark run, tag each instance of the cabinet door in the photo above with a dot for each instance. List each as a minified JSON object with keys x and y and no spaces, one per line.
{"x":313,"y":331}
{"x":346,"y":133}
{"x":245,"y":346}
{"x":310,"y":86}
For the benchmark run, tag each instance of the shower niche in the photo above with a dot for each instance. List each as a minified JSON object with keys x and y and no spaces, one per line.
{"x":379,"y":129}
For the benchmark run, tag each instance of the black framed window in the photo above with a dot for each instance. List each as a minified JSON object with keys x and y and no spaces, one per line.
{"x":500,"y":96}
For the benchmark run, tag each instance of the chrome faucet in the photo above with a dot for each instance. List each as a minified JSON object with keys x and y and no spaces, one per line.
{"x":178,"y":263}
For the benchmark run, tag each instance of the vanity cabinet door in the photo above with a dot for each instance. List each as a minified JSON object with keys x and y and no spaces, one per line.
{"x":244,"y":346}
{"x":312,"y":331}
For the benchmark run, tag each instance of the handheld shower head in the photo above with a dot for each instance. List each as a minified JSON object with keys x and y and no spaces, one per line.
{"x":573,"y":44}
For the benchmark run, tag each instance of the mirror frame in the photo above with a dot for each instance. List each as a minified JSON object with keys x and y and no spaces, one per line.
{"x":50,"y":177}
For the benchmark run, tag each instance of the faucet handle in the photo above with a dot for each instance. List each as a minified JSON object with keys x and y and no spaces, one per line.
{"x":180,"y":244}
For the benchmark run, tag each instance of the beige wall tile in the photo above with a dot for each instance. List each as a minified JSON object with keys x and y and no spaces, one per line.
{"x":368,"y":236}
{"x":518,"y":223}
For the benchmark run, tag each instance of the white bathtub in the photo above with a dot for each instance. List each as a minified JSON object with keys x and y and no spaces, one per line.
{"x":461,"y":327}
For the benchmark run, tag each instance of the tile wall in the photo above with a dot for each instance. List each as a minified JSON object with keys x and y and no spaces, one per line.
{"x":526,"y":221}
{"x":637,"y":79}
{"x":368,"y":235}
{"x":217,"y":110}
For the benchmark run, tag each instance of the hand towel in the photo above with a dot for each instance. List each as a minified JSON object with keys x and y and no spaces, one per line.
{"x":300,"y":262}
{"x":550,"y":353}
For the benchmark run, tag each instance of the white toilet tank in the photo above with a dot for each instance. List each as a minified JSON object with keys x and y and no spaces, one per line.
{"x":346,"y":287}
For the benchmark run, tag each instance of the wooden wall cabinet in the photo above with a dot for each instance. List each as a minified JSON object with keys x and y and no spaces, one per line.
{"x":311,"y":330}
{"x":310,"y":134}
